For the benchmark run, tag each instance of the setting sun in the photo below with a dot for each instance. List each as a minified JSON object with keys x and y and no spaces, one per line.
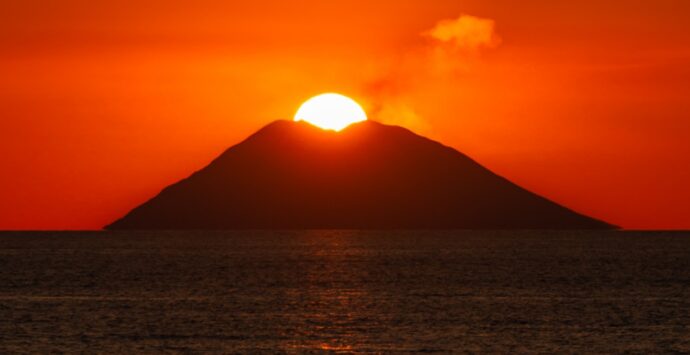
{"x":331,"y":111}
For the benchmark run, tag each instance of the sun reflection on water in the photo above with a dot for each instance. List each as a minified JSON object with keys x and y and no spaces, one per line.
{"x":333,"y":301}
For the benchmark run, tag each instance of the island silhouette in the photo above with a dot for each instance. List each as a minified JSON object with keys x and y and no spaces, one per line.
{"x":292,"y":175}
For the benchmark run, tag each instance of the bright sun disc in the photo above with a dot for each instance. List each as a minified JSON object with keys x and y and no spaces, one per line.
{"x":331,"y":111}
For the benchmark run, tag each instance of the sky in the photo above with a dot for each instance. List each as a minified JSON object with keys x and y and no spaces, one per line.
{"x":102,"y":104}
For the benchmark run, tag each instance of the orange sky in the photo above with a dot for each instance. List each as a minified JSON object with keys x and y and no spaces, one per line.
{"x":102,"y":105}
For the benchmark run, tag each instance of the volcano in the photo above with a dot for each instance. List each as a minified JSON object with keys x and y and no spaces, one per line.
{"x":292,"y":175}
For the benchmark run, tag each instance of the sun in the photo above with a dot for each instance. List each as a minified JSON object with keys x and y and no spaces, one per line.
{"x":331,"y":111}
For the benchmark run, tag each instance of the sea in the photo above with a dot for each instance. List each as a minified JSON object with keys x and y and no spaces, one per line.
{"x":345,"y":292}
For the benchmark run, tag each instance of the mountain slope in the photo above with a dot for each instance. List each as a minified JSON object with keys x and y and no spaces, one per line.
{"x":371,"y":176}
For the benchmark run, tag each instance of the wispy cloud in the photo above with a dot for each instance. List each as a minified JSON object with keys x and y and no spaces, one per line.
{"x":466,"y":33}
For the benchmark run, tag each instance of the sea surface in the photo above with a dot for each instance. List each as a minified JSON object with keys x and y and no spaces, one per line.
{"x":345,"y":292}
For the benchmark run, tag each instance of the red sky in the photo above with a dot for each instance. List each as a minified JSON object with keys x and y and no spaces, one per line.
{"x":103,"y":104}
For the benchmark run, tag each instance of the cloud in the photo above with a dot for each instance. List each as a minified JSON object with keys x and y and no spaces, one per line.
{"x":431,"y":68}
{"x":466,"y":33}
{"x":453,"y":46}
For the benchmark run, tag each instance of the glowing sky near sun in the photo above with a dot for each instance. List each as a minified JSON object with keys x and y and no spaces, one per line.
{"x":104,"y":103}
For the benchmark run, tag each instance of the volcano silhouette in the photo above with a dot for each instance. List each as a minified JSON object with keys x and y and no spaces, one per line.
{"x":292,"y":175}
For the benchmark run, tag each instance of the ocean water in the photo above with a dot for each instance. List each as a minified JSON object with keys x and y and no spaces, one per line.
{"x":345,"y":292}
